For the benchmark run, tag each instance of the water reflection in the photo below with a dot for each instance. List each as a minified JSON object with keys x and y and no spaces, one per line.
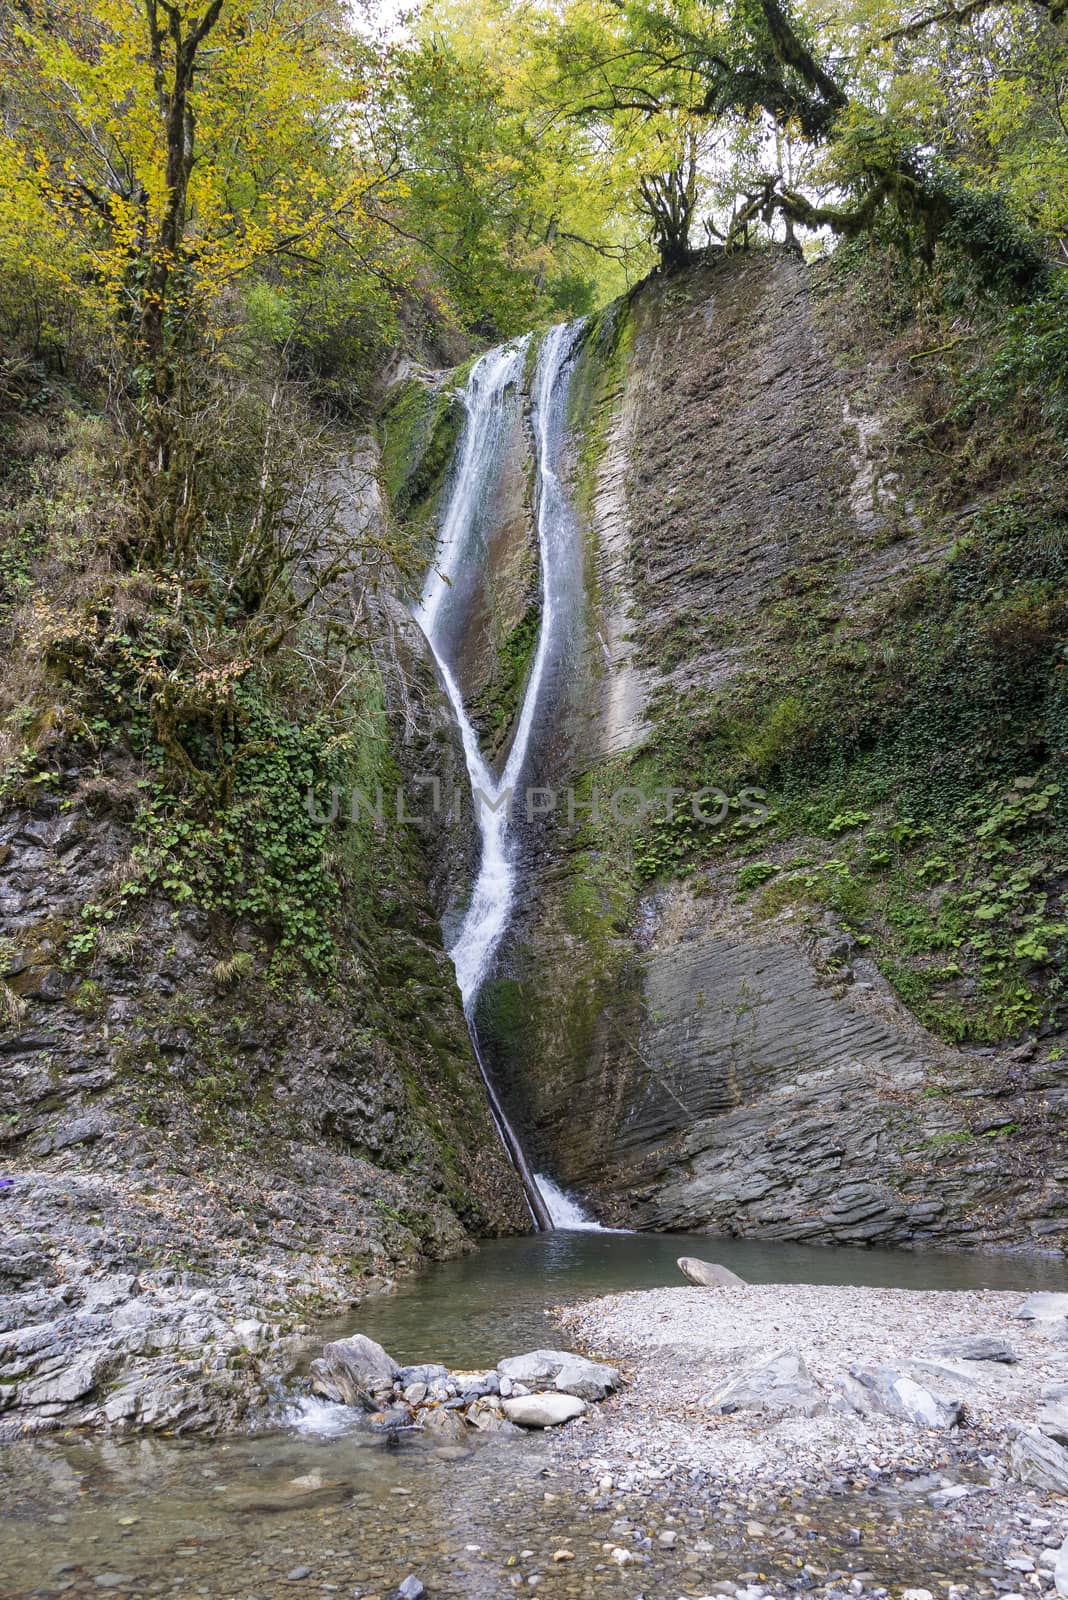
{"x":474,"y":1311}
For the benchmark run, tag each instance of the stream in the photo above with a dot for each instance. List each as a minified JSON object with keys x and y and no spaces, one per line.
{"x":306,"y":1507}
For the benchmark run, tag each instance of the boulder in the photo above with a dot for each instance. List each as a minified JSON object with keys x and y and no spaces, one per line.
{"x":979,"y":1348}
{"x":546,"y":1410}
{"x":536,"y":1367}
{"x":444,"y":1425}
{"x":895,"y":1394}
{"x":709,"y":1274}
{"x":1043,"y":1307}
{"x":781,"y":1384}
{"x":427,"y":1372}
{"x":588,"y":1380}
{"x":476,"y":1385}
{"x":1053,"y":1421}
{"x":1039,"y":1461}
{"x":350,"y":1369}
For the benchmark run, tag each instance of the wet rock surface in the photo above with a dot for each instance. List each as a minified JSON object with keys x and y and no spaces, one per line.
{"x":540,"y":1389}
{"x":194,"y":1158}
{"x":739,"y":1075}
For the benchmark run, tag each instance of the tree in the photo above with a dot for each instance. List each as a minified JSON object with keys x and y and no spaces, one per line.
{"x":517,"y":208}
{"x":743,"y":62}
{"x":165,"y":151}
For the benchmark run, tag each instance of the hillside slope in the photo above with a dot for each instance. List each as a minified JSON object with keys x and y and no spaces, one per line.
{"x":238,"y":1087}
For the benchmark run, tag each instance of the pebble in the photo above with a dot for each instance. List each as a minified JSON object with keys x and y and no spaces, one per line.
{"x":298,"y":1574}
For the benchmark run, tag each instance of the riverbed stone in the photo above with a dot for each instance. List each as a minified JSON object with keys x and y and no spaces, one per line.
{"x":444,"y":1425}
{"x":350,"y":1369}
{"x":588,"y":1380}
{"x":427,"y":1372}
{"x":979,"y":1348}
{"x":537,"y":1367}
{"x":1060,"y":1570}
{"x":544,"y":1410}
{"x":1039,"y":1461}
{"x":782,"y":1383}
{"x":1053,"y":1421}
{"x":1043,"y":1306}
{"x":895,"y":1394}
{"x":708,"y":1274}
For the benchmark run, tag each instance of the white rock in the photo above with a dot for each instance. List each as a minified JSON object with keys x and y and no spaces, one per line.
{"x":1053,"y":1421}
{"x":537,"y":1366}
{"x":544,"y":1410}
{"x":782,"y":1383}
{"x":894,"y":1394}
{"x":1039,"y":1461}
{"x":1043,"y":1307}
{"x":708,"y":1274}
{"x":251,"y":1334}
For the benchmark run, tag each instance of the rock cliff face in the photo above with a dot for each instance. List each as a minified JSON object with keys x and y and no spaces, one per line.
{"x":680,"y":1052}
{"x":196,"y":1156}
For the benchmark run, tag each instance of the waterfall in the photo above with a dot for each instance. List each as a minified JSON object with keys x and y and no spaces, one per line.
{"x":493,"y":385}
{"x":565,"y":1211}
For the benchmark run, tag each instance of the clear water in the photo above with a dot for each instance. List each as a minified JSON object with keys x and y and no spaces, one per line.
{"x":473,"y":1311}
{"x":232,"y":1519}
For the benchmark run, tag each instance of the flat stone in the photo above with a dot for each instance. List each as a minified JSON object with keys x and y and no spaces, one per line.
{"x":1039,"y":1461}
{"x":781,"y":1384}
{"x":112,"y":1580}
{"x":979,"y":1348}
{"x":545,"y":1410}
{"x":1043,"y":1306}
{"x":708,"y":1274}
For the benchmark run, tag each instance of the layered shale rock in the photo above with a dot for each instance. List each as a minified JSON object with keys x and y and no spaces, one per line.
{"x":676,"y":1059}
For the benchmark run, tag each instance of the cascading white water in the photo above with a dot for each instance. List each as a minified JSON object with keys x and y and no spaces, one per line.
{"x":485,"y":400}
{"x":565,"y":1211}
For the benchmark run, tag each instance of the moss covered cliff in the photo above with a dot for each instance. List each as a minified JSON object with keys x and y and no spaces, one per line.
{"x":236,"y":1071}
{"x":827,"y":583}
